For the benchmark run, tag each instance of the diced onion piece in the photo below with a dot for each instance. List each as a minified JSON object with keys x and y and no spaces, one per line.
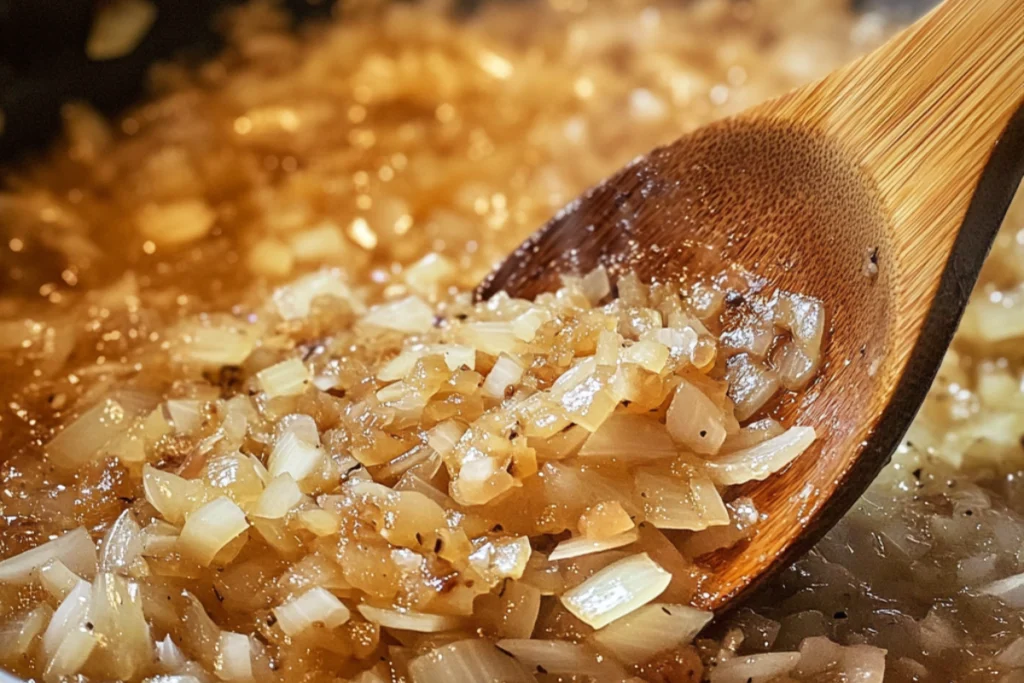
{"x":576,"y":547}
{"x":501,"y":558}
{"x":159,"y":538}
{"x":426,"y":276}
{"x":796,"y":367}
{"x":676,"y":503}
{"x":820,"y":658}
{"x":595,"y":285}
{"x":409,"y":315}
{"x":116,"y":616}
{"x":169,"y":655}
{"x":506,"y":373}
{"x":680,"y":342}
{"x":650,"y":355}
{"x":605,"y":519}
{"x":319,"y":522}
{"x":492,"y":338}
{"x":287,"y":378}
{"x":68,"y":620}
{"x":751,"y":385}
{"x":210,"y":528}
{"x":752,"y":434}
{"x":17,"y":635}
{"x":742,"y":518}
{"x":754,"y":668}
{"x":631,"y":437}
{"x":57,"y":579}
{"x":467,"y":661}
{"x":408,"y":621}
{"x":517,"y":610}
{"x":84,"y":438}
{"x":295,"y":301}
{"x":526,"y":325}
{"x":184,"y":415}
{"x":1009,"y":590}
{"x":607,"y":349}
{"x":804,"y":316}
{"x":233,"y":661}
{"x":212,"y":346}
{"x":316,"y":605}
{"x":301,"y":425}
{"x":762,"y":460}
{"x":122,"y":545}
{"x":75,"y":549}
{"x":617,"y":590}
{"x":562,"y":657}
{"x":455,"y":356}
{"x":443,"y":437}
{"x":171,"y":495}
{"x":280,"y":496}
{"x":651,"y":630}
{"x":695,"y":421}
{"x":291,"y":455}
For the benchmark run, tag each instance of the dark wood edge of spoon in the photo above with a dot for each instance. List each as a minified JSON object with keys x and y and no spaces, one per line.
{"x":998,"y":184}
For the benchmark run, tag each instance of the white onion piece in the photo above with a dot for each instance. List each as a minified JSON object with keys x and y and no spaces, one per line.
{"x":173,"y":678}
{"x":443,"y":437}
{"x":742,"y":518}
{"x":159,"y":538}
{"x":1009,"y":590}
{"x":802,"y":315}
{"x":676,"y":503}
{"x":68,"y":618}
{"x":171,"y":495}
{"x":210,"y":528}
{"x":579,"y":546}
{"x":648,"y":354}
{"x":122,"y":545}
{"x":617,"y":590}
{"x":562,"y":657}
{"x":319,"y":522}
{"x":281,"y":495}
{"x":57,"y":579}
{"x":795,"y":366}
{"x":184,"y":415}
{"x":506,"y":372}
{"x":630,"y":436}
{"x":651,"y":630}
{"x":517,"y":611}
{"x":751,"y":385}
{"x":233,"y":661}
{"x":295,"y":300}
{"x":287,"y":378}
{"x":75,"y":549}
{"x":408,"y":621}
{"x":293,"y":456}
{"x":85,"y":437}
{"x":754,"y":668}
{"x":752,"y":434}
{"x":607,"y":349}
{"x":409,"y":315}
{"x":595,"y":285}
{"x":467,"y":661}
{"x":316,"y":605}
{"x":115,"y":612}
{"x":526,"y":325}
{"x":762,"y":460}
{"x":194,"y":342}
{"x":455,"y":356}
{"x":17,"y":635}
{"x":820,"y":657}
{"x":169,"y":655}
{"x":695,"y":421}
{"x":492,"y":338}
{"x":302,"y":426}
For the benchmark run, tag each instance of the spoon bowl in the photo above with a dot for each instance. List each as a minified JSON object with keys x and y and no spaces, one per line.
{"x":879,"y":191}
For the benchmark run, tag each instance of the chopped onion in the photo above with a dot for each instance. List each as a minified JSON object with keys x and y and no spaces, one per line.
{"x":517,"y":609}
{"x":648,"y":354}
{"x":66,"y":643}
{"x":651,"y":630}
{"x":287,"y":378}
{"x":762,"y":460}
{"x":233,"y":661}
{"x":506,"y":373}
{"x":467,"y":661}
{"x":57,"y":579}
{"x":562,"y":657}
{"x":159,"y":538}
{"x":752,"y":434}
{"x":85,"y":437}
{"x":443,"y":437}
{"x":804,"y":316}
{"x":426,"y":276}
{"x":751,"y":385}
{"x":185,"y":416}
{"x":674,"y":503}
{"x":607,"y":350}
{"x":408,"y":621}
{"x":617,"y":590}
{"x":492,"y":338}
{"x":301,"y":425}
{"x":212,"y":346}
{"x":122,"y":545}
{"x":323,"y":241}
{"x":820,"y":657}
{"x":742,"y":515}
{"x":695,"y":421}
{"x":595,"y":285}
{"x":1009,"y":590}
{"x":281,"y":495}
{"x":455,"y":356}
{"x":17,"y":635}
{"x":116,"y":615}
{"x":295,"y":301}
{"x":291,"y":455}
{"x":501,"y":558}
{"x":171,"y":495}
{"x":75,"y":549}
{"x":795,"y":366}
{"x":576,"y":547}
{"x":631,"y":437}
{"x":315,"y":606}
{"x":210,"y":528}
{"x":526,"y":325}
{"x":754,"y":668}
{"x":169,"y":655}
{"x":319,"y":522}
{"x":410,"y":315}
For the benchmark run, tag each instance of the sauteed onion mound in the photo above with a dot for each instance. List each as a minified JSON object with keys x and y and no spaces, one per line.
{"x":254,"y":427}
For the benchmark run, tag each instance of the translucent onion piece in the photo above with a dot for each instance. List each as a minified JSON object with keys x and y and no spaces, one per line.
{"x":184,"y":415}
{"x":314,"y":606}
{"x":752,"y":434}
{"x":501,"y":558}
{"x":804,"y":316}
{"x":319,"y":522}
{"x":293,"y":456}
{"x":492,"y":338}
{"x":506,"y":373}
{"x":631,"y":437}
{"x":171,"y":495}
{"x":210,"y":528}
{"x":596,"y":285}
{"x":576,"y":547}
{"x":562,"y":657}
{"x":526,"y":325}
{"x":426,"y":276}
{"x":467,"y":661}
{"x":751,"y":385}
{"x":212,"y":346}
{"x":233,"y":661}
{"x":517,"y":610}
{"x":295,"y":300}
{"x":287,"y":378}
{"x":122,"y":546}
{"x":443,"y":437}
{"x":605,"y":519}
{"x":695,"y":421}
{"x":67,"y":619}
{"x":762,"y":460}
{"x":281,"y":495}
{"x":57,"y":579}
{"x":1009,"y":590}
{"x":410,"y":315}
{"x":617,"y":590}
{"x":409,"y":621}
{"x":75,"y":549}
{"x":650,"y":630}
{"x":115,"y":612}
{"x":820,"y":657}
{"x":19,"y":633}
{"x":675,"y":503}
{"x":754,"y":668}
{"x":84,"y":438}
{"x":169,"y":655}
{"x":742,"y":518}
{"x":650,"y":355}
{"x":795,"y":366}
{"x":159,"y":538}
{"x":455,"y":357}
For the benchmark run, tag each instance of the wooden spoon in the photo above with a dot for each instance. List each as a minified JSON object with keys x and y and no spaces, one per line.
{"x":906,"y":160}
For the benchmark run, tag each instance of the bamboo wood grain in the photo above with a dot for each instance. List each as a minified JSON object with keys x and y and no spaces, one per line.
{"x":904,"y":160}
